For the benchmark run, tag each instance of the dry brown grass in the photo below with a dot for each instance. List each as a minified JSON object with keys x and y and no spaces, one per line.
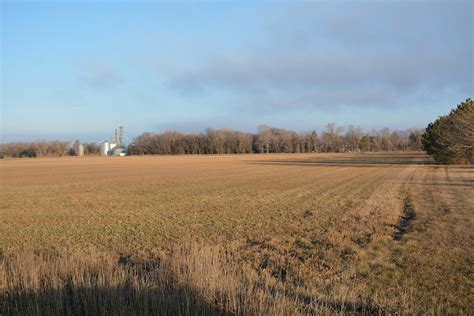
{"x":276,"y":234}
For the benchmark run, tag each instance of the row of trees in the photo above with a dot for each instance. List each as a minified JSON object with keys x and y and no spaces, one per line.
{"x":55,"y":148}
{"x":35,"y":149}
{"x":450,"y":139}
{"x":225,"y":141}
{"x":222,"y":141}
{"x":275,"y":140}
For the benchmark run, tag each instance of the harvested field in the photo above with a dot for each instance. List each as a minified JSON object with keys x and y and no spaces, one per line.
{"x":240,"y":234}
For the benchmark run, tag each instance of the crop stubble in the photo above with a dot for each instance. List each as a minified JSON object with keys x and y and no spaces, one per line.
{"x":322,"y":228}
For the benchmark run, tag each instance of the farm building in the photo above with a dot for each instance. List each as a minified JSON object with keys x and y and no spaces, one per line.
{"x":113,"y":148}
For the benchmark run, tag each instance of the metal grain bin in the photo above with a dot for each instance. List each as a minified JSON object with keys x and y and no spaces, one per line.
{"x":104,"y":148}
{"x":80,"y":150}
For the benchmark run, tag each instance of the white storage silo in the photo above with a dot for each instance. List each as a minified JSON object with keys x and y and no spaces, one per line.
{"x":80,"y":150}
{"x":104,"y":148}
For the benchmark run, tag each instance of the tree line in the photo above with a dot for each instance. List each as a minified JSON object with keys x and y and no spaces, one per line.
{"x":225,"y":141}
{"x":274,"y":140}
{"x":55,"y":148}
{"x":450,"y":139}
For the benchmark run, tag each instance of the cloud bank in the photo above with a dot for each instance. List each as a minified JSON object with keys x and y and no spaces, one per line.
{"x":357,"y":54}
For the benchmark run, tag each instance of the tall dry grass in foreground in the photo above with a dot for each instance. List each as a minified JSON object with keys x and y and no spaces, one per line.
{"x":193,"y":279}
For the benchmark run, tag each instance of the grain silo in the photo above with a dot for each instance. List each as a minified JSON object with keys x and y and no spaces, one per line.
{"x":80,"y":150}
{"x":113,"y":148}
{"x":104,"y":148}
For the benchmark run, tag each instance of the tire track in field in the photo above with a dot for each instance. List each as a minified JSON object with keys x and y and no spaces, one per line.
{"x":437,"y":248}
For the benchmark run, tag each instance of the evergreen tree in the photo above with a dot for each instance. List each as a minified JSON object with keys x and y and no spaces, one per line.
{"x":450,"y":139}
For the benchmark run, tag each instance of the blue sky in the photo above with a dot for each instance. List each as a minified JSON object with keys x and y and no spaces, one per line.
{"x":79,"y":69}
